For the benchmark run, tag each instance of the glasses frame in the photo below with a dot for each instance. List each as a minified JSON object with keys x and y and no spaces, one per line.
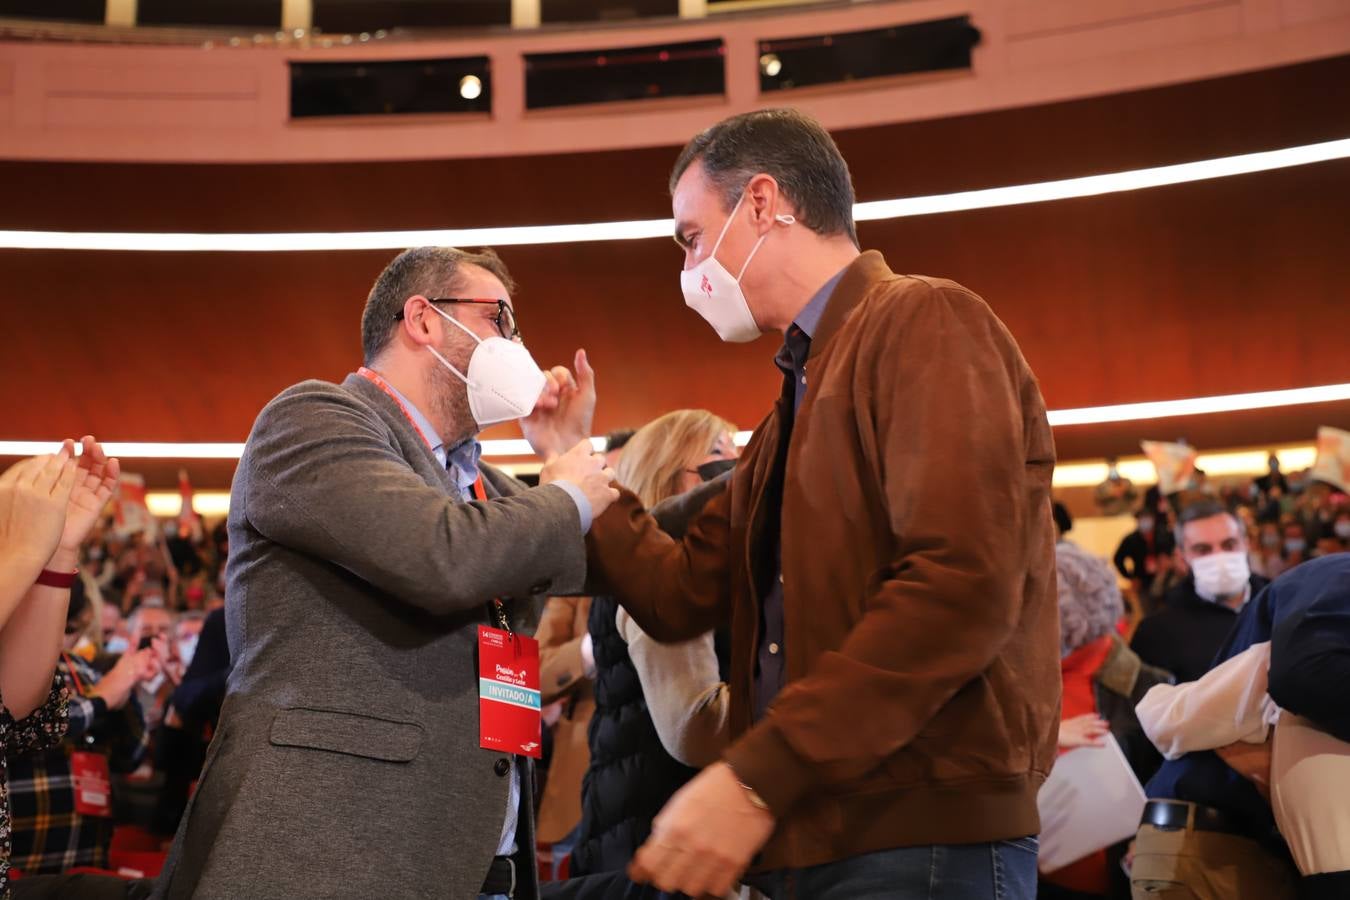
{"x":505,"y":319}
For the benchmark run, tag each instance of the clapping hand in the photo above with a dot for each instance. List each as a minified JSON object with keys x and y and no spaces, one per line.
{"x":34,"y":495}
{"x":562,"y":417}
{"x":170,"y":663}
{"x":95,"y":481}
{"x":134,"y":668}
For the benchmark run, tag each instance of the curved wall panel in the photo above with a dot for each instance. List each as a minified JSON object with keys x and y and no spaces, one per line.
{"x":80,"y":102}
{"x":1210,"y":288}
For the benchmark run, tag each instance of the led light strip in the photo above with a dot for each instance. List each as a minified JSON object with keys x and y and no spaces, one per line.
{"x":1116,"y":182}
{"x":1222,"y":465}
{"x":1088,"y":186}
{"x":153,"y":450}
{"x":132,"y":449}
{"x":168,"y":504}
{"x":1198,"y":406}
{"x":518,"y":447}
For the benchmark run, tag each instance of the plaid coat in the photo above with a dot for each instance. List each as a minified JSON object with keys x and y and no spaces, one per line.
{"x":43,"y":728}
{"x":49,"y":836}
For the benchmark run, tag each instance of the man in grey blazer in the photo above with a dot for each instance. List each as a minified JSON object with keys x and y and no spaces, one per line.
{"x":347,"y":762}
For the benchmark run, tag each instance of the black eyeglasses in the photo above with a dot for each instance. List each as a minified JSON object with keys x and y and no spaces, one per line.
{"x":505,"y":319}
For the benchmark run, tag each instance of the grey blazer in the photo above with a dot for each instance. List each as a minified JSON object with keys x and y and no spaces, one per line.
{"x":347,"y":762}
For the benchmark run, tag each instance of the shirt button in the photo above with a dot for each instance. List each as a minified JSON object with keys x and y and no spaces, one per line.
{"x":773,"y":649}
{"x":501,"y":767}
{"x":780,"y":577}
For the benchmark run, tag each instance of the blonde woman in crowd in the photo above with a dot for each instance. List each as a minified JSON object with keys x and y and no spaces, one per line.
{"x":661,"y":710}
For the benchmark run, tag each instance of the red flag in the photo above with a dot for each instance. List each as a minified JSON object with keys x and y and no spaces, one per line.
{"x":129,"y":510}
{"x":1333,"y":457}
{"x":1175,"y":464}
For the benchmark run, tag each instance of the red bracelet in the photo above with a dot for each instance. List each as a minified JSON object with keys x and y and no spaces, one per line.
{"x":63,"y":580}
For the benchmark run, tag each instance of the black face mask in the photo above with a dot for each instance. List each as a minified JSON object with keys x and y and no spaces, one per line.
{"x":710,"y":470}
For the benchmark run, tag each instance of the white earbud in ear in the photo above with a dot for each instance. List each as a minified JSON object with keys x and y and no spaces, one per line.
{"x":786,"y":220}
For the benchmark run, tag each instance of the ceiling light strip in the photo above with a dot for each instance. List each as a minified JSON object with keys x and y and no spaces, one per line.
{"x":1199,"y":406}
{"x":1095,"y":185}
{"x":1227,"y":464}
{"x":133,"y":449}
{"x":1088,"y":186}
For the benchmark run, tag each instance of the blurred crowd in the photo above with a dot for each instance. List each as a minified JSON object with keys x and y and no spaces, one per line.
{"x":143,"y":661}
{"x":1171,"y":653}
{"x":1286,"y":520}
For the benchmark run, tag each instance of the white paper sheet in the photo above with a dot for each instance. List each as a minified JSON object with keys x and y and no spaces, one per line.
{"x":1090,"y":801}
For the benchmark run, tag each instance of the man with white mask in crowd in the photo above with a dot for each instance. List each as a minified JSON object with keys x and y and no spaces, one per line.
{"x":1198,"y":613}
{"x":373,"y":562}
{"x":186,"y":633}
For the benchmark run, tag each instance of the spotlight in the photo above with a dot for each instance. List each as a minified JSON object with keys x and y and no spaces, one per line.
{"x":770,"y":64}
{"x":470,"y":87}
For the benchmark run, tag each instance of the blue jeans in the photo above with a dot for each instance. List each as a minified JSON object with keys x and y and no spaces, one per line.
{"x":1003,"y":870}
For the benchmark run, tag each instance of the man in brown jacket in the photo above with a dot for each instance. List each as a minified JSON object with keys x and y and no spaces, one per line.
{"x":884,"y":554}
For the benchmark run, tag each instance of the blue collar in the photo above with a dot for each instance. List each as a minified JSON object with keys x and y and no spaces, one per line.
{"x":423,"y":423}
{"x":463,"y":464}
{"x":808,"y":320}
{"x":461,"y":461}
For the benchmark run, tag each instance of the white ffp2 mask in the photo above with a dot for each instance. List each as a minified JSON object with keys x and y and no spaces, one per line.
{"x":712,"y":292}
{"x":187,"y":648}
{"x":1221,"y":574}
{"x":504,"y":381}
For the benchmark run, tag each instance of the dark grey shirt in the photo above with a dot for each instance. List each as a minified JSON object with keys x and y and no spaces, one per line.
{"x":792,"y":360}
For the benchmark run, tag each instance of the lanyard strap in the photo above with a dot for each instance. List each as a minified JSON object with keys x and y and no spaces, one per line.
{"x":375,"y":379}
{"x":496,"y":607}
{"x":74,"y":675}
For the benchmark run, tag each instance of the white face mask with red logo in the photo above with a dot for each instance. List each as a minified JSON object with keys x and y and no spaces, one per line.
{"x":712,"y":292}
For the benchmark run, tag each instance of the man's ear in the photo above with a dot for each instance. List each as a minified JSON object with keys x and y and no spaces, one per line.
{"x":415,"y":324}
{"x":765,"y":201}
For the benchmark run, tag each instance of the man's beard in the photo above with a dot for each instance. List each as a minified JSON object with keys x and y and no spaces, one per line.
{"x":450,"y":397}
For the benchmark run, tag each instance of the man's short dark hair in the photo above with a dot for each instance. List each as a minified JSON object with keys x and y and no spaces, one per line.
{"x":1199,"y":510}
{"x":793,"y":148}
{"x":617,"y":438}
{"x":429,"y":271}
{"x":1063,"y":521}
